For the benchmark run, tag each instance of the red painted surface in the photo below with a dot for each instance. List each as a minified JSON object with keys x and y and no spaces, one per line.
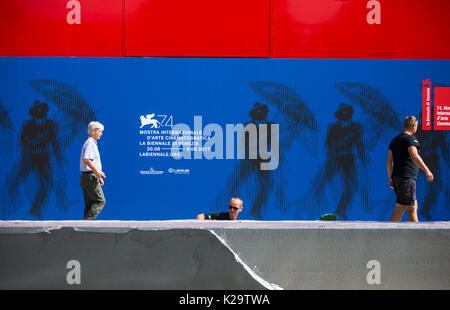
{"x":197,"y":28}
{"x":408,"y":29}
{"x":40,"y":28}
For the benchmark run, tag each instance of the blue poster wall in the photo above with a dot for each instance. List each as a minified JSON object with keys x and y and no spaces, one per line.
{"x":329,"y":124}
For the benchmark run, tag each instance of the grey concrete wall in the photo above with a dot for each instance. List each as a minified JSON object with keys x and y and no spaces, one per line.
{"x":338,"y":259}
{"x":224,"y":255}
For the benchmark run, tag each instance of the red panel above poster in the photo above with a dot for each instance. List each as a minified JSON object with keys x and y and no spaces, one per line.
{"x":198,"y":28}
{"x":393,"y":29}
{"x":387,"y":29}
{"x":61,"y":28}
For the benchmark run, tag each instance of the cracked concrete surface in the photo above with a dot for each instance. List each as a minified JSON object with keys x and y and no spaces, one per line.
{"x":238,"y":255}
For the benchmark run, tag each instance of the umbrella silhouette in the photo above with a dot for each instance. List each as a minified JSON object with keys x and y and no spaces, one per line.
{"x":296,"y":122}
{"x":379,"y":117}
{"x":73,"y":111}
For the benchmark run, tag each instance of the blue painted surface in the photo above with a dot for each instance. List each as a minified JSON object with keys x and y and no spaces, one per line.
{"x":221,"y":91}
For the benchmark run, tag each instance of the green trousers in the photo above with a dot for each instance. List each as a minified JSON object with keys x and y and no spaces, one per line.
{"x":94,"y":199}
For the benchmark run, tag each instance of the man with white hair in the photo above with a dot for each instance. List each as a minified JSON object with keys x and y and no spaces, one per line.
{"x":91,"y":173}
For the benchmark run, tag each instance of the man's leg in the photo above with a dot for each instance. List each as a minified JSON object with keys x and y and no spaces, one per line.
{"x":87,"y":203}
{"x":94,"y":192}
{"x":98,"y":202}
{"x":412,"y":213}
{"x":87,"y":200}
{"x":398,"y":212}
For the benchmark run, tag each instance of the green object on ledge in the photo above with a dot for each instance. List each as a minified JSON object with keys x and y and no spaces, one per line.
{"x":328,"y":217}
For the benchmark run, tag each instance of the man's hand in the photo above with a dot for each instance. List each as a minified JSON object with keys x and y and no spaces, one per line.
{"x":391,"y":184}
{"x":100,"y":175}
{"x":430,"y":176}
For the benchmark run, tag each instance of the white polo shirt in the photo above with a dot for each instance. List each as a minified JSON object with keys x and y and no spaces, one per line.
{"x":90,"y":151}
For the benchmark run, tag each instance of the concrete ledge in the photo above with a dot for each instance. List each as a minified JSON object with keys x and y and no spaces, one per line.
{"x":226,"y":255}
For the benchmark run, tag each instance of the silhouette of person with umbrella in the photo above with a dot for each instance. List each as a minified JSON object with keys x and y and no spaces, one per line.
{"x":344,"y":145}
{"x":38,"y":141}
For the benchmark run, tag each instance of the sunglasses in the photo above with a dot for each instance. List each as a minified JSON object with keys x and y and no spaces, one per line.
{"x":233,"y":207}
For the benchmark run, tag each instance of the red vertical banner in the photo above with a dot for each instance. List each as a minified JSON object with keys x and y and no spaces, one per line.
{"x":442,"y":108}
{"x":426,"y":104}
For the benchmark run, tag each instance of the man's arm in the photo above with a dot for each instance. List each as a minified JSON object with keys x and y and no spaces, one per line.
{"x":200,"y":217}
{"x":419,"y":162}
{"x":97,"y":172}
{"x":390,"y":166}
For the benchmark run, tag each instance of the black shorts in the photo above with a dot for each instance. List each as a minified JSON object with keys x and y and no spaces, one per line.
{"x":405,"y":189}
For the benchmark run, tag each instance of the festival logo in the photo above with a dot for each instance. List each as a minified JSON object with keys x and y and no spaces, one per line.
{"x":149,"y":120}
{"x":161,"y":120}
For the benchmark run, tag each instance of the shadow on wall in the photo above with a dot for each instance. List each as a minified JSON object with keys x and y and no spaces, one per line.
{"x":40,"y":168}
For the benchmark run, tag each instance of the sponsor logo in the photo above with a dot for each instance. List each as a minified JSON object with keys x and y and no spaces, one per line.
{"x":151,"y":171}
{"x":178,"y":171}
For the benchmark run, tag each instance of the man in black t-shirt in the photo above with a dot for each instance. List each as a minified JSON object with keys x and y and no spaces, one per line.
{"x":234,"y":207}
{"x":403,"y":165}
